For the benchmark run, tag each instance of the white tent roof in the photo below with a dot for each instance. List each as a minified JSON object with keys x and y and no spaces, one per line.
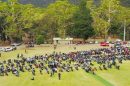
{"x":62,"y":39}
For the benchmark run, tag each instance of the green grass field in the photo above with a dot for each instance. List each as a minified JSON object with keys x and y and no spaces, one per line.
{"x":109,"y":77}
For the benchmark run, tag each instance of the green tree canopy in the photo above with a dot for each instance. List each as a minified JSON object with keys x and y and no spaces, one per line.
{"x":82,"y":27}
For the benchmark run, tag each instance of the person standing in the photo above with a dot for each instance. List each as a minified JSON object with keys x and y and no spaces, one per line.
{"x":59,"y":76}
{"x":33,"y":74}
{"x":25,"y":51}
{"x":40,"y":70}
{"x":55,"y":46}
{"x":18,"y":56}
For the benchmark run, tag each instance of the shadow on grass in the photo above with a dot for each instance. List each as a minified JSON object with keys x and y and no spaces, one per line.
{"x":102,"y":80}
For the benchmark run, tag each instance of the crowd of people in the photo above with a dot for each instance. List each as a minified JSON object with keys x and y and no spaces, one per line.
{"x":57,"y":63}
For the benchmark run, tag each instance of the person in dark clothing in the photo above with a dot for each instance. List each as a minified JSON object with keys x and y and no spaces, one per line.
{"x":55,"y":46}
{"x":59,"y":76}
{"x":40,"y":70}
{"x":18,"y":56}
{"x":25,"y":51}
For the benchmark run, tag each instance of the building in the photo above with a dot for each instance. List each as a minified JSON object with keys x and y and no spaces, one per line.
{"x":62,"y":41}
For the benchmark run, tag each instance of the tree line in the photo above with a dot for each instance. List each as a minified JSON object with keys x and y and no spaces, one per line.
{"x":62,"y":19}
{"x":44,"y":3}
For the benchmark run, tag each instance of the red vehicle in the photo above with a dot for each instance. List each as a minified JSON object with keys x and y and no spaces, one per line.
{"x":104,"y":44}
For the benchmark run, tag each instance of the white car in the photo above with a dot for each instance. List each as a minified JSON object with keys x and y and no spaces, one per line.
{"x":128,"y":45}
{"x":9,"y":49}
{"x":107,"y":42}
{"x":118,"y":40}
{"x":90,"y":42}
{"x":2,"y":48}
{"x":16,"y":44}
{"x":96,"y":42}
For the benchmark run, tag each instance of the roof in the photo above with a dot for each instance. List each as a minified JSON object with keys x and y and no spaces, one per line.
{"x":63,"y":39}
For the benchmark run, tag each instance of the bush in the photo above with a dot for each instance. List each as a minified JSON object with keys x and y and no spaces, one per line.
{"x":39,"y":39}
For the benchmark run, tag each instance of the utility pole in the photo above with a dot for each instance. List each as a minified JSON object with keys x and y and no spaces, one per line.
{"x":125,"y":30}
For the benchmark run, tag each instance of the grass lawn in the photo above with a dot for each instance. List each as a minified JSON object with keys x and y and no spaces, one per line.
{"x":109,"y":77}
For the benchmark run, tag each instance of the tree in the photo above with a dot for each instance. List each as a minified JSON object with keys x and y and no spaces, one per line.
{"x":123,"y":19}
{"x":62,"y":11}
{"x":104,"y":15}
{"x":56,"y":19}
{"x":18,"y":19}
{"x":82,"y":27}
{"x":2,"y":21}
{"x":9,"y":14}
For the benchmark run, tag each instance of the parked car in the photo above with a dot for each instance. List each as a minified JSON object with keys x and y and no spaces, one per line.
{"x":96,"y":42}
{"x":128,"y":44}
{"x":118,"y":40}
{"x":16,"y":44}
{"x":104,"y":44}
{"x":6,"y":49}
{"x":91,"y":42}
{"x":2,"y":48}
